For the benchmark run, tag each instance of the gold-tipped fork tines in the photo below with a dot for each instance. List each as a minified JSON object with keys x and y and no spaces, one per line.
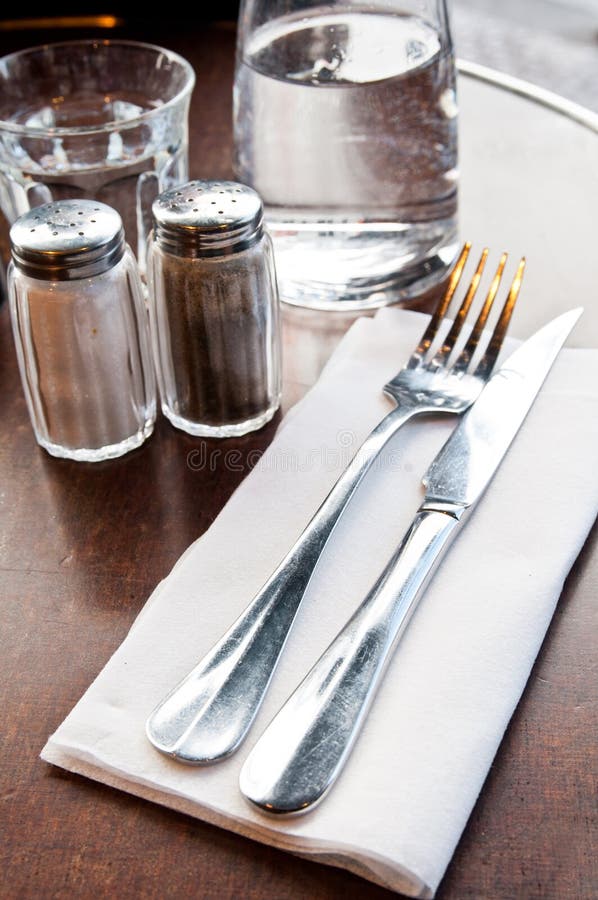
{"x":449,"y":371}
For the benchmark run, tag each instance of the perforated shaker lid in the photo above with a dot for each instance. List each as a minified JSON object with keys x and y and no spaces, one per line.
{"x":67,"y":239}
{"x":207,"y":218}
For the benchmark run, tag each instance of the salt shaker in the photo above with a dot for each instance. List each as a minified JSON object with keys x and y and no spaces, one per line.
{"x":214,"y":309}
{"x":81,"y":332}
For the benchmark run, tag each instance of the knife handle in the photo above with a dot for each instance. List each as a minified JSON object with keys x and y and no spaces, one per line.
{"x":304,"y":748}
{"x":207,"y":715}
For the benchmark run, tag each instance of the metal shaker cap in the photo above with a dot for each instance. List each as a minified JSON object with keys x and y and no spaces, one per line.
{"x":67,"y":239}
{"x":207,"y":218}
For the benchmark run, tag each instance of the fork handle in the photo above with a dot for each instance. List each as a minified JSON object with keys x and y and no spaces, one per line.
{"x":206,"y":716}
{"x":304,"y":748}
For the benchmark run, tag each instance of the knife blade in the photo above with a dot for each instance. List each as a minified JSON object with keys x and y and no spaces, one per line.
{"x":303,"y":750}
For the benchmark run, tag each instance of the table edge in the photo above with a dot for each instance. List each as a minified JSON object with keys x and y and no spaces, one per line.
{"x":533,"y":92}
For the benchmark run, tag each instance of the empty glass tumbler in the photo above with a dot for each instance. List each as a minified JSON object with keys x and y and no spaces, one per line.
{"x":346,"y":124}
{"x":81,"y":331}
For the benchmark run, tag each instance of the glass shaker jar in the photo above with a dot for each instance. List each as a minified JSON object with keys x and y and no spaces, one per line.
{"x":80,"y":330}
{"x":214,"y":309}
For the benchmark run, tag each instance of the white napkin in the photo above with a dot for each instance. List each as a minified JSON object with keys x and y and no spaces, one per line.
{"x":398,"y":809}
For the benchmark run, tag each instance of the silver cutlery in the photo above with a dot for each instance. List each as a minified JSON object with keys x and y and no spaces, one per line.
{"x":304,"y":748}
{"x":206,"y":716}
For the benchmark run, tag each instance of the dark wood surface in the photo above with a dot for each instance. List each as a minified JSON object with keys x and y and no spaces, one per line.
{"x":83,"y":546}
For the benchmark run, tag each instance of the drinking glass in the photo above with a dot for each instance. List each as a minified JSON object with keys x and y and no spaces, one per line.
{"x":345,"y":122}
{"x":96,"y":119}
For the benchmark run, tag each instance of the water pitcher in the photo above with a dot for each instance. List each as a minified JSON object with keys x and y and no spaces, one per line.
{"x":346,"y":124}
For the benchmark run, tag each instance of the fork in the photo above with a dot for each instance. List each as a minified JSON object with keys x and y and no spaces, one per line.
{"x":207,"y":715}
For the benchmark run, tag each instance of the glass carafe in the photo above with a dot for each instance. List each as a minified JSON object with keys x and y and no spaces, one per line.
{"x":346,"y":125}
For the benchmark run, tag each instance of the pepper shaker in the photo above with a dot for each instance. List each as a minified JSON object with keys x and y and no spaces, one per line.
{"x":81,"y":332}
{"x":214,"y":309}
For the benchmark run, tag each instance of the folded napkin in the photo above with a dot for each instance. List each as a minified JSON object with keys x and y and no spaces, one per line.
{"x":397,"y":811}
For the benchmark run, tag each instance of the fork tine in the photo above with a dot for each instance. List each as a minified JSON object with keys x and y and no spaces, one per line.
{"x":488,"y":360}
{"x":450,"y":340}
{"x":439,"y":313}
{"x":462,"y":362}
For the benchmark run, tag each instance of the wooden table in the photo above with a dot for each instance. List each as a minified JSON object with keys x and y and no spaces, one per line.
{"x":83,"y":546}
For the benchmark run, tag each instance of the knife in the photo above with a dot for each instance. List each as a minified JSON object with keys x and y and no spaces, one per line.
{"x":304,"y":748}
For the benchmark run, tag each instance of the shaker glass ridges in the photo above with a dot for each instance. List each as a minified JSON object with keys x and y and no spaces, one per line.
{"x":214,"y":309}
{"x":345,"y":123}
{"x":80,"y":330}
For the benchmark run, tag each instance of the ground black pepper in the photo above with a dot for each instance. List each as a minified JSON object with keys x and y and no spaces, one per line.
{"x":214,"y":310}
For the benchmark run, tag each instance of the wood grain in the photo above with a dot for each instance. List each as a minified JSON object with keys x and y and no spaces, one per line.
{"x":83,"y":546}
